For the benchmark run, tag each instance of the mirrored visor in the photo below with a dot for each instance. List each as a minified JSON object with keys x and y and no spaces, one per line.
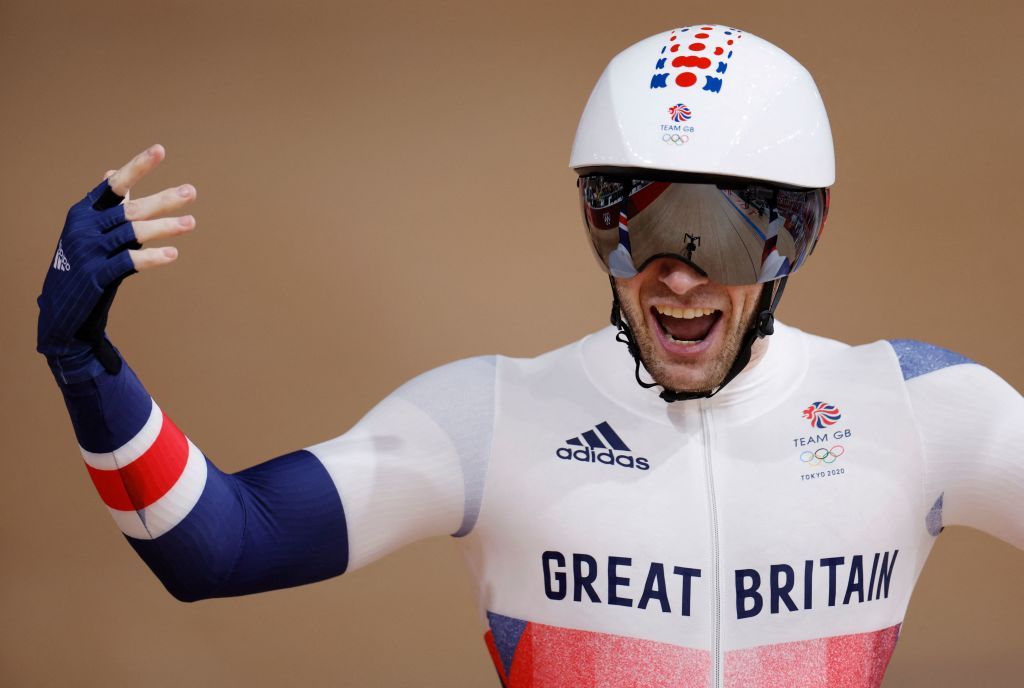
{"x":734,"y":234}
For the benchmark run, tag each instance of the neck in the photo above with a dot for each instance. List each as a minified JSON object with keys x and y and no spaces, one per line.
{"x":757,"y":352}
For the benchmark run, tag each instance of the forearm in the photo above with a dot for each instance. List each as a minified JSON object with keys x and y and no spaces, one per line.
{"x":204,"y":533}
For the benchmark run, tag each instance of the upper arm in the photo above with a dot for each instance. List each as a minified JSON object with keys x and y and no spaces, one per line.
{"x":972,"y":430}
{"x":414,"y":466}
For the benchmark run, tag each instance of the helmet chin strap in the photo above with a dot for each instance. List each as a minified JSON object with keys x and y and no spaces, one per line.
{"x":764,"y":325}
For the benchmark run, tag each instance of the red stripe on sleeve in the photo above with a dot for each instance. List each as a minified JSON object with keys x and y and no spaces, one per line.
{"x":147,"y":478}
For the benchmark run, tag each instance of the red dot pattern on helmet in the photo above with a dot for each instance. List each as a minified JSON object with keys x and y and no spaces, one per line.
{"x":691,"y":61}
{"x":688,"y":65}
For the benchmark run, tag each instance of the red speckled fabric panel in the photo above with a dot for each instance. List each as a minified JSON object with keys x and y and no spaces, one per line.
{"x":553,"y":657}
{"x":843,"y":661}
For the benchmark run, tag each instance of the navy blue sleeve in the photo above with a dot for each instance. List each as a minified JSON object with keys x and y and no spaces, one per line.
{"x":276,"y":525}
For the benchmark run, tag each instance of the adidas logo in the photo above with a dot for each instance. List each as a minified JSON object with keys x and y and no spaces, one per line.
{"x":601,"y":445}
{"x":59,"y":261}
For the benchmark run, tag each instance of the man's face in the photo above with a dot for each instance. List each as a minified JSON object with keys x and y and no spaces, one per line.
{"x":688,"y":329}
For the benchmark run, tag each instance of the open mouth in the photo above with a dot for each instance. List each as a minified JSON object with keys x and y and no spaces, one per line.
{"x":686,"y":326}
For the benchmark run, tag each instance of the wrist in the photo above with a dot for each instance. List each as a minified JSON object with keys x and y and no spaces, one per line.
{"x":78,"y":363}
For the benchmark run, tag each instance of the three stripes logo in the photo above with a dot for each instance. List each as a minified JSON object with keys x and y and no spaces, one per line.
{"x":60,"y":262}
{"x":601,"y":445}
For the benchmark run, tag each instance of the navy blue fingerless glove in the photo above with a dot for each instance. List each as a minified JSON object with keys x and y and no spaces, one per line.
{"x":90,"y":262}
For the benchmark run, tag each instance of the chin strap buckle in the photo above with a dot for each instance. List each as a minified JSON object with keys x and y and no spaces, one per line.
{"x":766,"y":318}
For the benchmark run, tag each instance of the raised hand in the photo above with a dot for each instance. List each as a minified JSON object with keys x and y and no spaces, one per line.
{"x":100,"y":245}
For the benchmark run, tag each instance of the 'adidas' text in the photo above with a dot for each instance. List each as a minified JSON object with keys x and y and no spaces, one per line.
{"x":605,"y":456}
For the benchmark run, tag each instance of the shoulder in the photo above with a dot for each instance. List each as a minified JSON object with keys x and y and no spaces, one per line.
{"x":458,"y":389}
{"x":558,"y":361}
{"x":457,"y":377}
{"x":466,"y":380}
{"x":920,"y":358}
{"x":935,"y":376}
{"x":911,"y":358}
{"x":939,"y":382}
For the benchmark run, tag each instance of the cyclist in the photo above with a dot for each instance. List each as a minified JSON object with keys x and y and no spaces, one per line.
{"x":748,"y":514}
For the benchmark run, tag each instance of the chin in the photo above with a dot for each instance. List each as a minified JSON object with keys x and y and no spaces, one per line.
{"x":681,"y":378}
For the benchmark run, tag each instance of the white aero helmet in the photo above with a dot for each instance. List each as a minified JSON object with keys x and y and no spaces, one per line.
{"x":707,"y":145}
{"x":707,"y":99}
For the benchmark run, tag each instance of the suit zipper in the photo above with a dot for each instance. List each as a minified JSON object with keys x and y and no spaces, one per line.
{"x":716,"y":589}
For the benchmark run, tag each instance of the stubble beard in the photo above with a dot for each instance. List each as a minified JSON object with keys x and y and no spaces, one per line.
{"x":662,"y":371}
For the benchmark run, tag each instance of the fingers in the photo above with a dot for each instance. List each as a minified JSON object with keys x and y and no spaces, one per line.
{"x":135,"y":169}
{"x":148,"y":230}
{"x":108,"y":175}
{"x":146,"y":258}
{"x":163,"y":203}
{"x":146,"y":214}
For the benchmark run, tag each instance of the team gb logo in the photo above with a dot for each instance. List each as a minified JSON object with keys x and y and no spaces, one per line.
{"x":822,"y":414}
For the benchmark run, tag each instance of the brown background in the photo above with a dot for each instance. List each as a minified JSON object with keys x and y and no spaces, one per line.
{"x":351,"y":162}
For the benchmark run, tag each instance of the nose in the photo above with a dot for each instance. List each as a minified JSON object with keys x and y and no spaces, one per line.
{"x":678,"y":276}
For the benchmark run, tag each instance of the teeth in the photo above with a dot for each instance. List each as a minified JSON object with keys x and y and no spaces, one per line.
{"x":682,"y":341}
{"x":684,"y":313}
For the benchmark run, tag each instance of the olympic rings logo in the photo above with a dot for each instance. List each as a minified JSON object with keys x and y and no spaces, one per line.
{"x":822,"y":455}
{"x":677,"y":139}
